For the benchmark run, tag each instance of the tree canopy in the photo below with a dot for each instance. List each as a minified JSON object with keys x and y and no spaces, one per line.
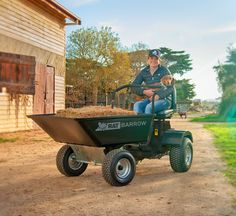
{"x":138,"y":57}
{"x":94,"y":60}
{"x":93,"y":44}
{"x":226,"y":72}
{"x":226,"y":77}
{"x":178,"y":62}
{"x":185,"y":90}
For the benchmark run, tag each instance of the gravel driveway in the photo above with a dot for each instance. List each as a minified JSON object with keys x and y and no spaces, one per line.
{"x":31,"y":185}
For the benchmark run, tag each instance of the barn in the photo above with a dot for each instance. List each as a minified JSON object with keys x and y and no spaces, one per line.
{"x":32,"y":60}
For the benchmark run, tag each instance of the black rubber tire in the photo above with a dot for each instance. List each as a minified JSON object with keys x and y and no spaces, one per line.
{"x":63,"y":165}
{"x":181,"y":156}
{"x":119,"y":167}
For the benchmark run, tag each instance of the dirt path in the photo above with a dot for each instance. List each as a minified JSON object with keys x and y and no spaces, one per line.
{"x":31,"y":185}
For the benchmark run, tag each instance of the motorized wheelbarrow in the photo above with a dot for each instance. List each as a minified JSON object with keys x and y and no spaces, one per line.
{"x":118,"y":143}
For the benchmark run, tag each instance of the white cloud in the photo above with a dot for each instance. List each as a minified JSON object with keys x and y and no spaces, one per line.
{"x":224,"y":29}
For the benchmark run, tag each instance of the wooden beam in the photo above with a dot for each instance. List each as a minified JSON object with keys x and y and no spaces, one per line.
{"x":59,"y":9}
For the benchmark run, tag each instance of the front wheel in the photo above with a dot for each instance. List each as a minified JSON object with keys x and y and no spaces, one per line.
{"x":118,"y":167}
{"x":67,"y":163}
{"x":181,"y":156}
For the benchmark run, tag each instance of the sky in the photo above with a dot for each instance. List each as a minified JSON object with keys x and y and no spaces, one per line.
{"x":204,"y":29}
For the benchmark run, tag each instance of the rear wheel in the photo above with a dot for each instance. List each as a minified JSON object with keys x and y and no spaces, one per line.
{"x":181,"y":156}
{"x":118,"y":167}
{"x":67,"y":163}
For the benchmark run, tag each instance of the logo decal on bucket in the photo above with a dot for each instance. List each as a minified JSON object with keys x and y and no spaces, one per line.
{"x":104,"y":126}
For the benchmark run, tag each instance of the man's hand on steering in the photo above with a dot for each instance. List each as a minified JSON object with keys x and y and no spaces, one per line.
{"x":148,"y":92}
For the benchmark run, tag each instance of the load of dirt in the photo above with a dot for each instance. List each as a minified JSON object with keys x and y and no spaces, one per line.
{"x":93,"y":111}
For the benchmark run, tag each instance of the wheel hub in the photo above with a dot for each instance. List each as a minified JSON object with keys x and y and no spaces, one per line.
{"x":73,"y":163}
{"x":188,"y":155}
{"x":123,"y":168}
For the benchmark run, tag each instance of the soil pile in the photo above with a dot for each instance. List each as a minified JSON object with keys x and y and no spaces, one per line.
{"x":93,"y":111}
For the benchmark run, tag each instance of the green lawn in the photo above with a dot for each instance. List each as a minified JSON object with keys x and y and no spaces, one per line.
{"x":225,"y":141}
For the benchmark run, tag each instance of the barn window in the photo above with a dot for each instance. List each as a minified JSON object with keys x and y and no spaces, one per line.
{"x":17,"y":73}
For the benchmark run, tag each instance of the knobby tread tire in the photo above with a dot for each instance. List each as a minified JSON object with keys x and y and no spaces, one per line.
{"x":109,"y":164}
{"x":177,"y":156}
{"x":62,"y":162}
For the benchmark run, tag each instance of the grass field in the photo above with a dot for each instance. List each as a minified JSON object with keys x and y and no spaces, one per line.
{"x":213,"y":118}
{"x":225,"y":141}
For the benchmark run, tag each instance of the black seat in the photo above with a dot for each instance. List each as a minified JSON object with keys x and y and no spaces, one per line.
{"x":166,"y":114}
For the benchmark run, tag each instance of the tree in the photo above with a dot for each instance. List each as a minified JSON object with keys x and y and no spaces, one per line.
{"x":185,"y":90}
{"x":226,"y":77}
{"x":178,"y":62}
{"x":88,"y":52}
{"x":80,"y":77}
{"x":228,"y":103}
{"x":231,"y":58}
{"x":138,"y":57}
{"x":226,"y":73}
{"x":118,"y":73}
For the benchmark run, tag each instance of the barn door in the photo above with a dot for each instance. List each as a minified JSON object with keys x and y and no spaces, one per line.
{"x":44,"y":89}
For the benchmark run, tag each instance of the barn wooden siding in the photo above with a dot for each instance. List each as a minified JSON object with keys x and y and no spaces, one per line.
{"x":13,"y":111}
{"x":27,"y":22}
{"x":14,"y":108}
{"x":26,"y":28}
